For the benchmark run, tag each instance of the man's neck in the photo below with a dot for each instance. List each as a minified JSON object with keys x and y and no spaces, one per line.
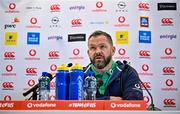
{"x":105,"y":68}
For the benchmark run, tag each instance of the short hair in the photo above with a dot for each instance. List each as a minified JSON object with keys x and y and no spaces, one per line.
{"x":98,"y":33}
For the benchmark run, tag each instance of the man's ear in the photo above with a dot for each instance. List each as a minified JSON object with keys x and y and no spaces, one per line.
{"x":113,"y":50}
{"x":88,"y":52}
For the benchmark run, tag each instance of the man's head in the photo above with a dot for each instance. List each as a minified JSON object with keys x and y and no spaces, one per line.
{"x":100,"y":49}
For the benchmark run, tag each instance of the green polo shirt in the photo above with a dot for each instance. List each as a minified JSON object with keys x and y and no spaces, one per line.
{"x":105,"y":77}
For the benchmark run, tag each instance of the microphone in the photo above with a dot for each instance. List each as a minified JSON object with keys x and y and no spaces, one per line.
{"x":69,"y":65}
{"x":34,"y":88}
{"x":88,"y":67}
{"x":151,"y":106}
{"x":99,"y":83}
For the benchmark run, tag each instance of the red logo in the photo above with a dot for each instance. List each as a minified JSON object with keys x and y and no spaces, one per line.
{"x":122,"y":51}
{"x":33,"y":20}
{"x":54,"y":54}
{"x":146,"y":99}
{"x":76,"y":22}
{"x":31,"y":70}
{"x":53,"y":67}
{"x":144,"y":53}
{"x":76,"y":51}
{"x":167,"y":21}
{"x":121,"y":19}
{"x":169,"y":82}
{"x":99,"y":4}
{"x":7,"y":98}
{"x":52,"y":84}
{"x":8,"y":85}
{"x":144,"y":6}
{"x":31,"y":83}
{"x":146,"y":85}
{"x":168,"y":70}
{"x":55,"y":7}
{"x":169,"y":102}
{"x":9,"y":54}
{"x":32,"y":52}
{"x":9,"y":68}
{"x":52,"y":97}
{"x":168,"y":51}
{"x":12,"y":6}
{"x":145,"y":67}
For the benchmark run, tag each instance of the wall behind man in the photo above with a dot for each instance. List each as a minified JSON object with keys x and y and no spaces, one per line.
{"x":40,"y":35}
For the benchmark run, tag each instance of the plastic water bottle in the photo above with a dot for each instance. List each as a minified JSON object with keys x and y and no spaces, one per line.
{"x":62,"y":83}
{"x":44,"y":86}
{"x":76,"y":83}
{"x":90,"y":87}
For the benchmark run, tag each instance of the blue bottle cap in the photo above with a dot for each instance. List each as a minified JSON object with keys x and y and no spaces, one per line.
{"x":44,"y":74}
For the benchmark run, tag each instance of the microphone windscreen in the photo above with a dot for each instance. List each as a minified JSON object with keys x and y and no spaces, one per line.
{"x":69,"y":64}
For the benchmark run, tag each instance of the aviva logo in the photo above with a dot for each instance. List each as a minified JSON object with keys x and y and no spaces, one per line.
{"x":122,"y":37}
{"x":10,"y":38}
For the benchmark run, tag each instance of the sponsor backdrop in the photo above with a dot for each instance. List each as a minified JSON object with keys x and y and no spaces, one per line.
{"x":40,"y":35}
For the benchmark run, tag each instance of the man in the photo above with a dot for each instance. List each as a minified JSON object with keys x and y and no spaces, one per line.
{"x":116,"y":80}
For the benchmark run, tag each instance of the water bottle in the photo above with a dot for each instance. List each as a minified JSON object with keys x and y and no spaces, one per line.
{"x":76,"y":83}
{"x":62,"y":83}
{"x":90,"y":87}
{"x":44,"y":86}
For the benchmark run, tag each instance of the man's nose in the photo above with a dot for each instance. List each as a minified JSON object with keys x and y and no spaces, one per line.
{"x":98,"y":50}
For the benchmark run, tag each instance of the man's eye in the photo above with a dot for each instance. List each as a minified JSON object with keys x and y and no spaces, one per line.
{"x":92,"y":48}
{"x":102,"y":46}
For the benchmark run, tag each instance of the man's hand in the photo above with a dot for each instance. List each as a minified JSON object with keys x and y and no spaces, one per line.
{"x":115,"y":98}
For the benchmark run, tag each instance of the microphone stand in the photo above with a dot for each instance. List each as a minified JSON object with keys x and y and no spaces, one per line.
{"x":151,"y":107}
{"x":34,"y":95}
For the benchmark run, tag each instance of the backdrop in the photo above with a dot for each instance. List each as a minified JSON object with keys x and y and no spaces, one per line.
{"x":40,"y":35}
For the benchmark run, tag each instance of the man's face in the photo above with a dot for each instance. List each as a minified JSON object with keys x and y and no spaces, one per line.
{"x":100,"y":51}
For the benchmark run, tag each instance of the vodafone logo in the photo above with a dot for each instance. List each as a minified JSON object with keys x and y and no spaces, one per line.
{"x":146,"y":99}
{"x":144,"y":53}
{"x":8,"y":85}
{"x":168,"y":51}
{"x":169,"y":82}
{"x":76,"y":51}
{"x":144,"y":6}
{"x":7,"y":98}
{"x":31,"y":70}
{"x":145,"y":67}
{"x":53,"y":67}
{"x":169,"y":102}
{"x":146,"y":84}
{"x":121,"y":19}
{"x":121,"y":51}
{"x":52,"y":97}
{"x":9,"y":54}
{"x":52,"y":84}
{"x":32,"y":52}
{"x":99,"y":4}
{"x":76,"y":22}
{"x":31,"y":83}
{"x":167,"y":21}
{"x":33,"y":20}
{"x":54,"y":54}
{"x":55,"y":7}
{"x":9,"y":68}
{"x":12,"y":6}
{"x":168,"y":70}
